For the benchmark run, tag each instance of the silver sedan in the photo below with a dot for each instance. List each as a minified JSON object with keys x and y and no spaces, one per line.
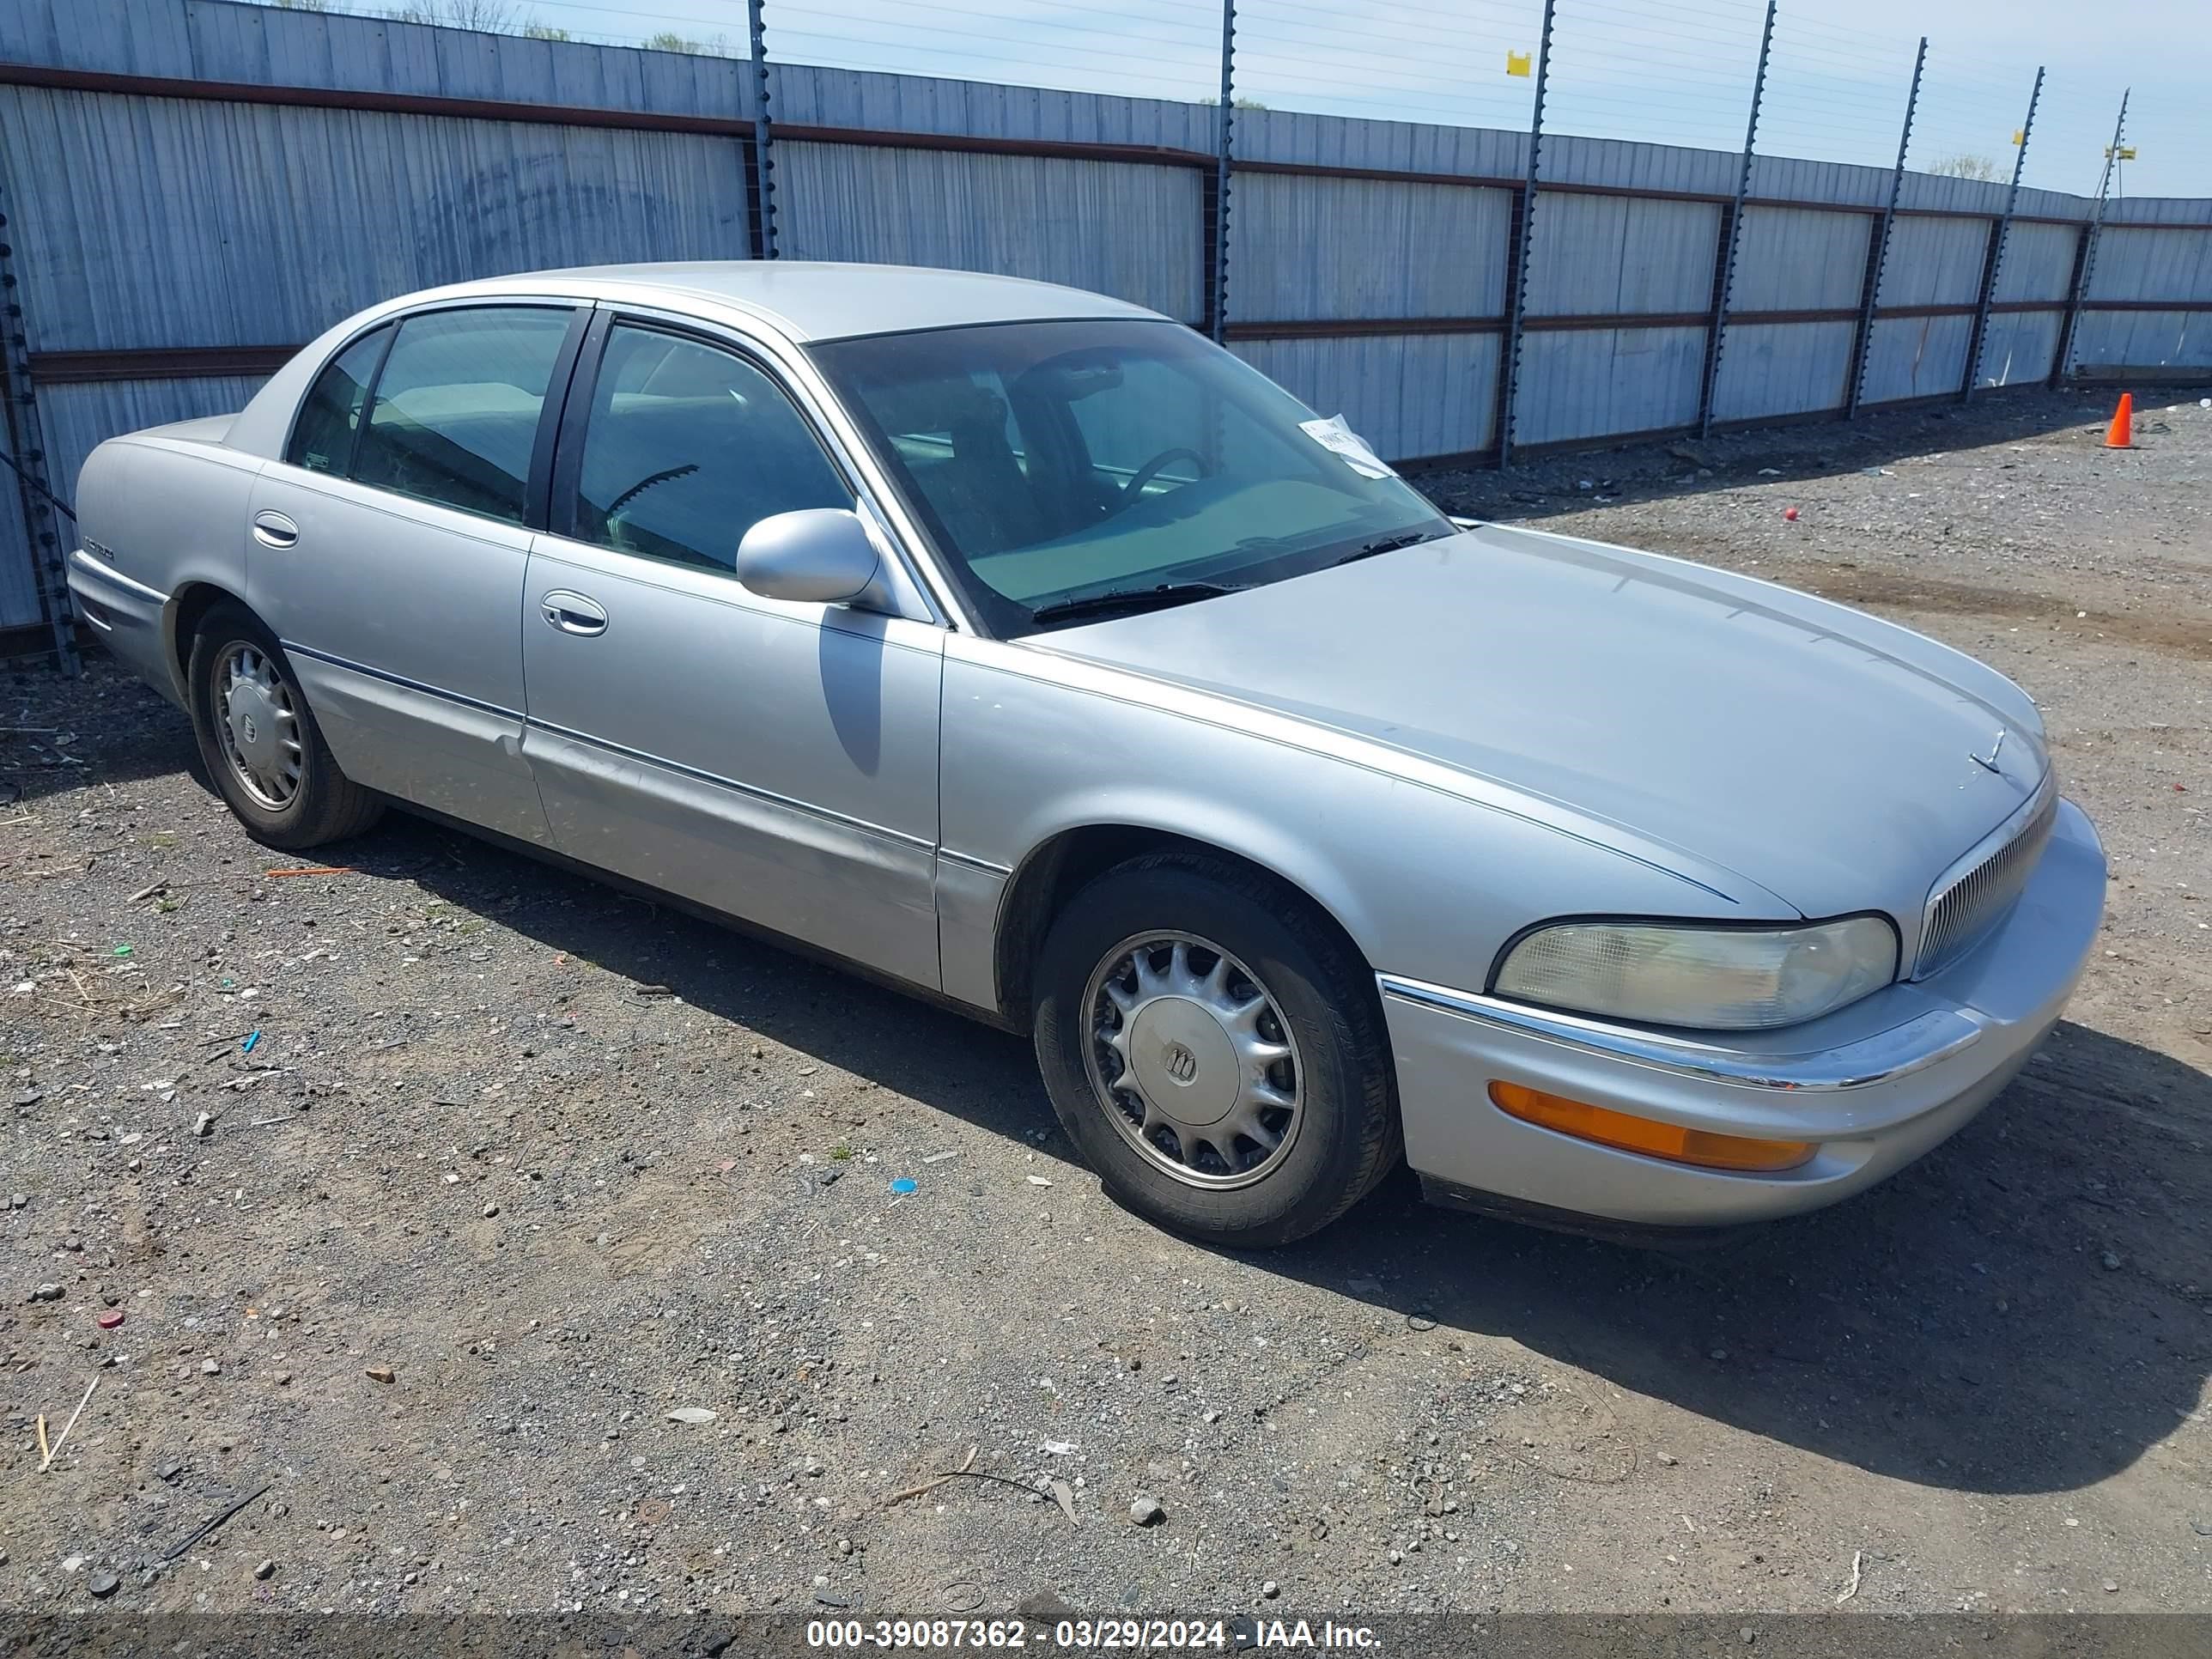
{"x":1022,"y":648}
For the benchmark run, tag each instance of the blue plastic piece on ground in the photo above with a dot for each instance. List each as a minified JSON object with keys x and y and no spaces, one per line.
{"x":247,"y":1047}
{"x":905,"y":1184}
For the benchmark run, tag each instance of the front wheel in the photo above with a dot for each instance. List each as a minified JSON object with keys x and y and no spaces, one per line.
{"x":1215,"y":1051}
{"x":260,"y":742}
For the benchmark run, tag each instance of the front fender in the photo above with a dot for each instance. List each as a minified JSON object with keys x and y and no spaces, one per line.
{"x":1427,"y":881}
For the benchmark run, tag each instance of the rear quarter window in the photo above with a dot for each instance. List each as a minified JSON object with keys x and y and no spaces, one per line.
{"x":322,"y":436}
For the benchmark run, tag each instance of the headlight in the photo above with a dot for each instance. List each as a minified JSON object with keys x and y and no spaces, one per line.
{"x":1720,"y":979}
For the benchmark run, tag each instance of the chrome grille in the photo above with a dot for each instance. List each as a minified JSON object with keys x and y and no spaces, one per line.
{"x":1965,"y":906}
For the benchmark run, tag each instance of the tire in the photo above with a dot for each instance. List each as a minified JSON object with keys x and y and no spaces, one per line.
{"x":1096,"y":1028}
{"x":320,"y":803}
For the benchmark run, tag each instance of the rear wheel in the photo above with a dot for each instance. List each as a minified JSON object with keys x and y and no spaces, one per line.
{"x":260,"y":742}
{"x":1215,"y":1051}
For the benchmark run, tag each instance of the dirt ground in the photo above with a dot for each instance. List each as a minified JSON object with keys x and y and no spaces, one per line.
{"x":516,"y":1166}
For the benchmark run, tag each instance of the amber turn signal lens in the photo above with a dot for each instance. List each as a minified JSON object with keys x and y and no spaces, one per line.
{"x":1643,"y":1134}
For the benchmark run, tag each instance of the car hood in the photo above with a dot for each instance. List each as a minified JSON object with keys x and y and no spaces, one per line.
{"x":1812,"y":751}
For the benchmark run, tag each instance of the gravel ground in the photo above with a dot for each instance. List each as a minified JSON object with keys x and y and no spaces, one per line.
{"x":517,"y":1166}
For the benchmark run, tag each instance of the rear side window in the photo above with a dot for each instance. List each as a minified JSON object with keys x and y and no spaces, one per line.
{"x":454,"y":418}
{"x":322,"y":438}
{"x":688,"y":447}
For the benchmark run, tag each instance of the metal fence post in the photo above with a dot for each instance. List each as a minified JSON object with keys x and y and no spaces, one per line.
{"x":2086,"y":266}
{"x":1878,"y":252}
{"x":764,"y":162}
{"x":1516,"y":256}
{"x":1731,"y":236}
{"x":27,"y":456}
{"x":2000,"y":233}
{"x":1217,"y":277}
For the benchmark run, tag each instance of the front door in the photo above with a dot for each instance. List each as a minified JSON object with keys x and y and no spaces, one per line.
{"x":389,"y":546}
{"x":775,"y":761}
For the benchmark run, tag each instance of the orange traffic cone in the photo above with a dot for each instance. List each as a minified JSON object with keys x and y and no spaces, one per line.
{"x":2121,"y":433}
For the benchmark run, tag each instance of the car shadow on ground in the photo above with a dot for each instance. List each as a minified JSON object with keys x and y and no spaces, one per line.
{"x":111,"y":730}
{"x":2023,"y":1310}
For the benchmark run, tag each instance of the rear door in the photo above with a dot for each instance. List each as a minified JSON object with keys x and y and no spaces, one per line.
{"x":775,"y":761}
{"x":390,"y":544}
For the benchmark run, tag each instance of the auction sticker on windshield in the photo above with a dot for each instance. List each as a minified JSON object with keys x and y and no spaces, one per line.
{"x":1334,"y":435}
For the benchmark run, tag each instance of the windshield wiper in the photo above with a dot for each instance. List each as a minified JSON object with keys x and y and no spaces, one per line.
{"x":1387,"y":544}
{"x":1132,"y":599}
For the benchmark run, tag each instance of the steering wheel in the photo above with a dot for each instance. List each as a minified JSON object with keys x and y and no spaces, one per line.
{"x":1151,"y":470}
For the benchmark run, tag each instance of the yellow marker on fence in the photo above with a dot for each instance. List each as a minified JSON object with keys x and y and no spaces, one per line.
{"x":1517,"y":62}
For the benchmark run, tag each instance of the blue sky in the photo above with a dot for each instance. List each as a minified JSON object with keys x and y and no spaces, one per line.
{"x":1669,"y":71}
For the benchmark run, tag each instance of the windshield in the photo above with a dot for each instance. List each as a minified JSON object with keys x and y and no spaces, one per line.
{"x":1067,"y":469}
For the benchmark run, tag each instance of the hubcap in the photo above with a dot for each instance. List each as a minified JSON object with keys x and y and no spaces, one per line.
{"x":260,"y":729}
{"x":1192,"y":1061}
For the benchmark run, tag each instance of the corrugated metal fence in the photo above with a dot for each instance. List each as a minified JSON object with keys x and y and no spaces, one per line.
{"x":194,"y":187}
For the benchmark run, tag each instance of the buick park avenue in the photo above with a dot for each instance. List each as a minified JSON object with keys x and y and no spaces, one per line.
{"x":1024,"y":648}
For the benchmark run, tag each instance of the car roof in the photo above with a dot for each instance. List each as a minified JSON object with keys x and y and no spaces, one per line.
{"x":809,"y":299}
{"x":802,"y":300}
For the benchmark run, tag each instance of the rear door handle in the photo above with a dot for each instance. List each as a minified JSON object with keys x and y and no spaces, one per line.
{"x":272,"y":529}
{"x":572,"y":613}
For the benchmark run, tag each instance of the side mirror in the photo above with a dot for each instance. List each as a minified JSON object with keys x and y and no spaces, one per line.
{"x":817,"y":556}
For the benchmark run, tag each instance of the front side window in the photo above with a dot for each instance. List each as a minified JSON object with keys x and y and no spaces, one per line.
{"x":454,"y":415}
{"x":1064,"y":470}
{"x":687,"y":448}
{"x":322,"y":438}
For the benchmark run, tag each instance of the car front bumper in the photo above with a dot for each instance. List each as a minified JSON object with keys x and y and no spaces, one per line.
{"x":1874,"y":1085}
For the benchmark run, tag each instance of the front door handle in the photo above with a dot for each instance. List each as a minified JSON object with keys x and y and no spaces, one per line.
{"x":572,"y":613}
{"x":272,"y":529}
